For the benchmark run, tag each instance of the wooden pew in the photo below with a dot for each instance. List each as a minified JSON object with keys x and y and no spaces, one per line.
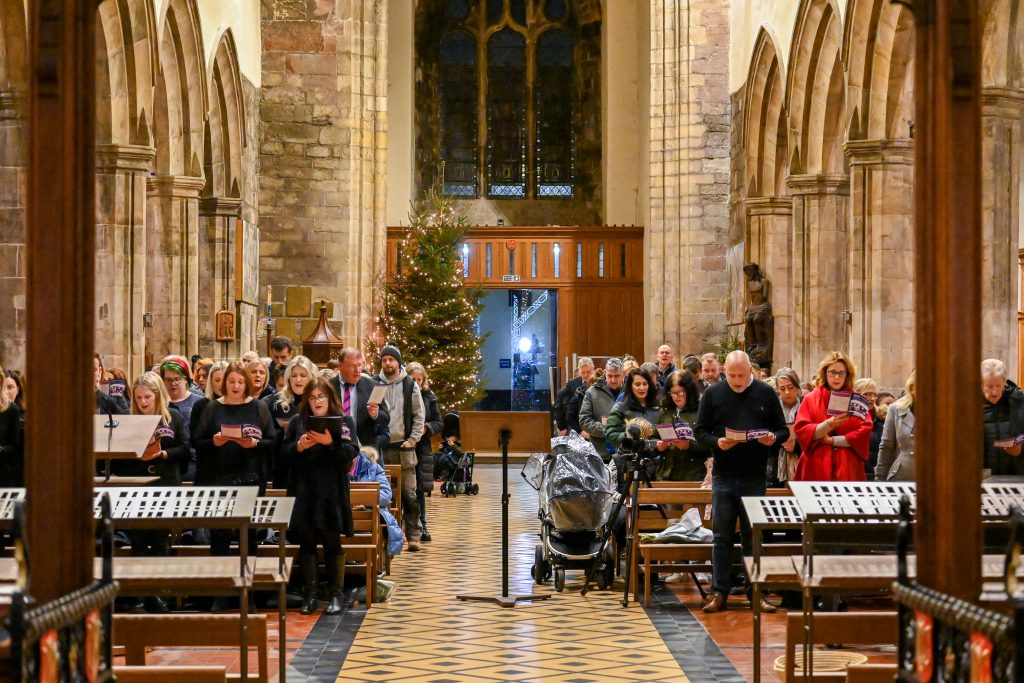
{"x":170,"y":674}
{"x":364,"y":543}
{"x":668,"y":556}
{"x":849,"y":628}
{"x":394,"y":474}
{"x":871,"y":673}
{"x":139,"y":632}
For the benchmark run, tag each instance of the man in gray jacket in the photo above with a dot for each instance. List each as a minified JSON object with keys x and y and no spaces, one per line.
{"x":406,"y":425}
{"x":598,"y":402}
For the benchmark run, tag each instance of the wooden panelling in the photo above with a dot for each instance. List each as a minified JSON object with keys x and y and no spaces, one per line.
{"x":599,"y":313}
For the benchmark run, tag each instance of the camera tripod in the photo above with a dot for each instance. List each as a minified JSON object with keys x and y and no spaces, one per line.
{"x":636,"y":474}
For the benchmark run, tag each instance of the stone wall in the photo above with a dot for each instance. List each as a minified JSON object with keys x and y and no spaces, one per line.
{"x":322,"y":151}
{"x":688,"y":225}
{"x":13,"y":141}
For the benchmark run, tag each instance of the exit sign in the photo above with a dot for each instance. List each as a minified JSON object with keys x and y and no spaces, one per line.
{"x":510,"y":278}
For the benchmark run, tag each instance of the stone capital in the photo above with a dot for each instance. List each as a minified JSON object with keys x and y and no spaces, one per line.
{"x":1005,"y":103}
{"x":179,"y":186}
{"x":814,"y":183}
{"x":114,"y":158}
{"x":229,"y":207}
{"x":769,"y":206}
{"x":868,"y":152}
{"x":11,"y":104}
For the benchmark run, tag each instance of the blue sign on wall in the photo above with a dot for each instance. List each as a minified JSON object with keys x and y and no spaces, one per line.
{"x":505,"y":363}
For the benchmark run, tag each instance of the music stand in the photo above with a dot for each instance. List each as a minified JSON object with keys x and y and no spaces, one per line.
{"x":472,"y":430}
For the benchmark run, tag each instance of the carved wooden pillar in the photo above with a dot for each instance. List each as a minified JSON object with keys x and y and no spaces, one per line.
{"x":947,"y":277}
{"x":121,"y":172}
{"x":1000,"y":221}
{"x":820,"y":275}
{"x":59,"y":289}
{"x":172,"y":269}
{"x":769,"y":242}
{"x":881,"y":259}
{"x":218,"y":217}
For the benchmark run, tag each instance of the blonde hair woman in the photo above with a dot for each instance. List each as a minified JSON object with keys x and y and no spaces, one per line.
{"x":283,"y":407}
{"x":835,"y":447}
{"x":896,"y":451}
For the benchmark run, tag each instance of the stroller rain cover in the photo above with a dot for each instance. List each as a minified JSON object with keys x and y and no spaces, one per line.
{"x":578,"y":489}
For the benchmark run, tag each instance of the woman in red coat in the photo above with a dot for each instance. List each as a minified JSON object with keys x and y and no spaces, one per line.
{"x":834,"y":448}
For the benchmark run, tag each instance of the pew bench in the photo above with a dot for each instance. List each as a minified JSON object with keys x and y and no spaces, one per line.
{"x":170,"y":674}
{"x":138,"y":633}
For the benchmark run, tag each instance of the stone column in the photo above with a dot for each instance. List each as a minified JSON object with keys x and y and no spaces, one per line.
{"x":769,"y":241}
{"x":172,"y":268}
{"x":218,"y":220}
{"x":881,"y":259}
{"x":820,"y":214}
{"x":688,"y":219}
{"x":1002,"y":111}
{"x":13,"y":162}
{"x":121,"y":172}
{"x":322,"y":152}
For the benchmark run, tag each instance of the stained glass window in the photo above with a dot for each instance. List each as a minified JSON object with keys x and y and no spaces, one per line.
{"x":458,"y":114}
{"x":508,"y":99}
{"x":554,"y":115}
{"x":506,"y":115}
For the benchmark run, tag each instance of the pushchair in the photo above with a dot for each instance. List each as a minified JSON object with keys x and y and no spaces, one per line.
{"x":455,"y":466}
{"x":576,"y":490}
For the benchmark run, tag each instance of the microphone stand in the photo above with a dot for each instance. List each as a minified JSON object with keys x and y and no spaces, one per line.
{"x":110,"y":427}
{"x":505,"y":600}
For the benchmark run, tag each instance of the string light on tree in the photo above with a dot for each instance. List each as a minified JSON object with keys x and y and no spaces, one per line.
{"x":427,"y":310}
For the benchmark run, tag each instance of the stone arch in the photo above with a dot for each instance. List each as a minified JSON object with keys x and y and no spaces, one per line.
{"x":180,"y":100}
{"x":226,"y":124}
{"x":125,"y":55}
{"x":815,"y":96}
{"x":764,"y":128}
{"x":1002,"y":63}
{"x":878,"y":50}
{"x":13,"y":48}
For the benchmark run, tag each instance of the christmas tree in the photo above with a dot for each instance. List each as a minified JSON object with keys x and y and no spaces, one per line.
{"x":428,"y":312}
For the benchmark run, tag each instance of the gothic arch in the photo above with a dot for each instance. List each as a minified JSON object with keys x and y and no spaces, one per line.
{"x":13,"y":54}
{"x":816,"y":97}
{"x":226,"y":125}
{"x":879,"y":51}
{"x":764,"y":128}
{"x":180,"y":100}
{"x":124,"y":71}
{"x":1002,"y":63}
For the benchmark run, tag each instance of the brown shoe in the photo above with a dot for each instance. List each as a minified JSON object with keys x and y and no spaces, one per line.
{"x":715,"y":603}
{"x":767,"y":607}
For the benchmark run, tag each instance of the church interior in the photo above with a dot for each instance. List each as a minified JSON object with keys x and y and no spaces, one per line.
{"x":762,"y":183}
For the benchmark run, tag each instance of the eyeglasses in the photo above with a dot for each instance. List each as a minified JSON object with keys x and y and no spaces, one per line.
{"x":837,"y":373}
{"x":173,"y":380}
{"x":318,"y":398}
{"x":677,"y":393}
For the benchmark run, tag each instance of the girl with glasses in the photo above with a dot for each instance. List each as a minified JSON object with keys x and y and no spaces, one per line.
{"x":319,"y":481}
{"x":835,"y":447}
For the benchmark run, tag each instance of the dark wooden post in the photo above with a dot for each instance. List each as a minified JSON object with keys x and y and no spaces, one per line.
{"x":60,"y":323}
{"x":947,"y":270}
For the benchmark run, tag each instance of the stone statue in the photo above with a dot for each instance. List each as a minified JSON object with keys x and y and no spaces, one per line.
{"x":759,"y":323}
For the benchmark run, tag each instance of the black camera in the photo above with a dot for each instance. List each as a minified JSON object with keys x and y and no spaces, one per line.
{"x":634,"y":444}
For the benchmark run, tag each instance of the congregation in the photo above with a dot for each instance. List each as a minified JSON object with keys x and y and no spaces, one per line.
{"x":748,"y":430}
{"x":253,"y":422}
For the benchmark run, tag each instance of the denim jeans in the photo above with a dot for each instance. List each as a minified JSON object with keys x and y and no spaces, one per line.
{"x":727,"y":492}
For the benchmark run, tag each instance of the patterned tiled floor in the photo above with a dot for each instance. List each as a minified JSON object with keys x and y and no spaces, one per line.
{"x":425,"y":634}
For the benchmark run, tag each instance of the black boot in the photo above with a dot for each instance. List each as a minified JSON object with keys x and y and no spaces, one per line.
{"x":308,"y":566}
{"x":336,"y":580}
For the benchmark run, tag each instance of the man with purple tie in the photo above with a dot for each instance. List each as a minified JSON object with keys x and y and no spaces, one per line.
{"x":354,"y":390}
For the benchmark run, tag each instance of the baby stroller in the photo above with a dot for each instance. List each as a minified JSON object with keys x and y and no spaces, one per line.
{"x":455,"y":466}
{"x":576,"y":490}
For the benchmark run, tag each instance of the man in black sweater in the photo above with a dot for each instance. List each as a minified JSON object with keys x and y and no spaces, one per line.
{"x":746,"y":405}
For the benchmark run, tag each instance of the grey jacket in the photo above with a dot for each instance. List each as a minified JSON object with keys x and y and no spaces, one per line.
{"x":597,"y":403}
{"x":896,"y":451}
